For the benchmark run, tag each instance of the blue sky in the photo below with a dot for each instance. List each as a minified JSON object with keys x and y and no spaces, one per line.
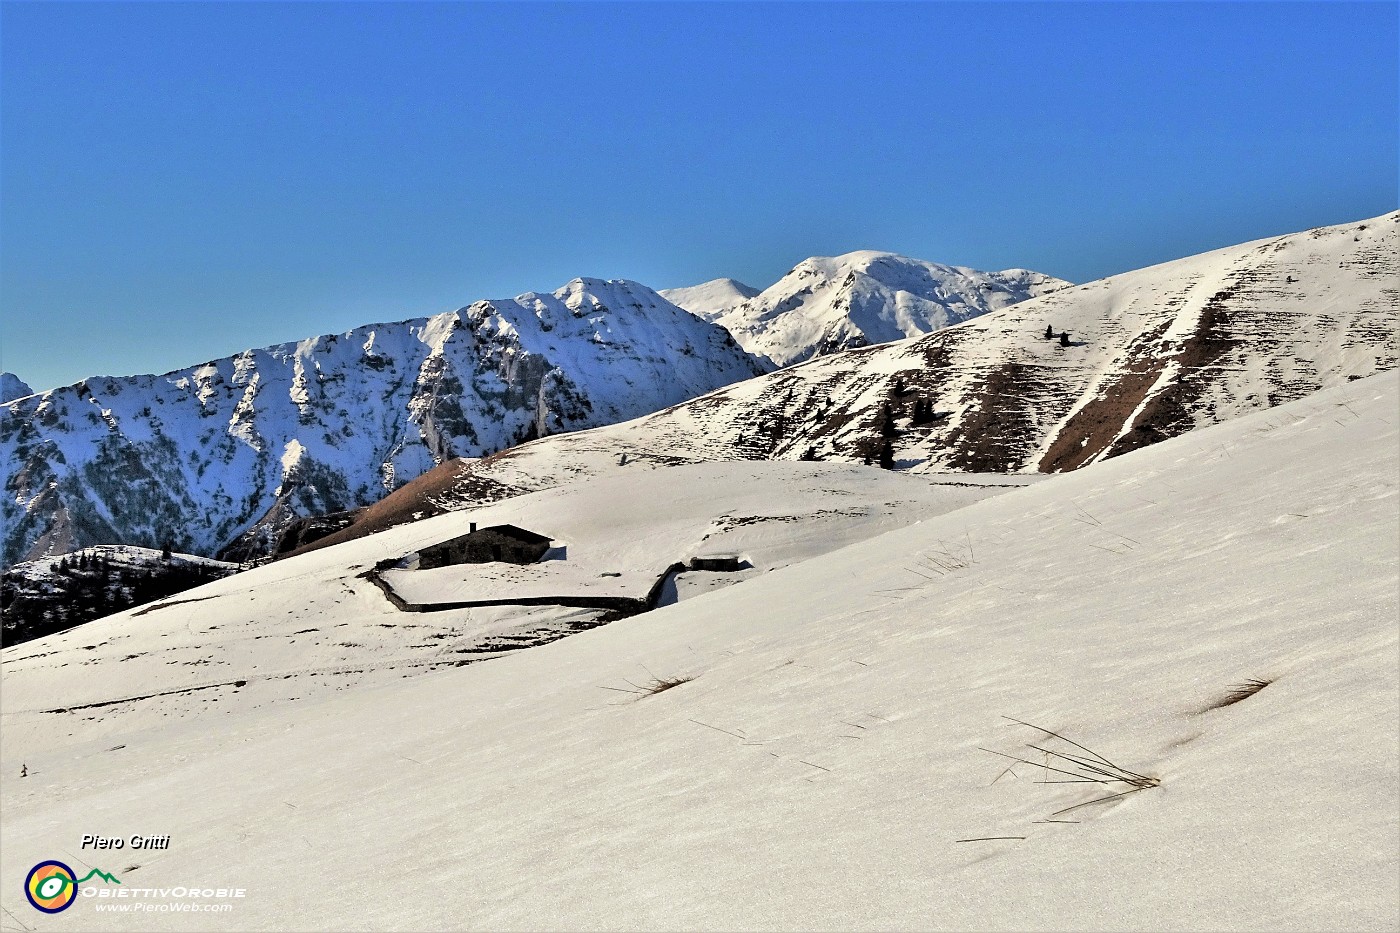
{"x":181,"y":181}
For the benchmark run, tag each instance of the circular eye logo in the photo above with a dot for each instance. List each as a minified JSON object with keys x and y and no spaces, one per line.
{"x":51,"y":886}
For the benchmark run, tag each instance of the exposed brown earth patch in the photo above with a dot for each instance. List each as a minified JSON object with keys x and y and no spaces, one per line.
{"x":413,"y":500}
{"x":1094,"y":426}
{"x":1097,"y":423}
{"x":994,"y":434}
{"x":1169,"y":412}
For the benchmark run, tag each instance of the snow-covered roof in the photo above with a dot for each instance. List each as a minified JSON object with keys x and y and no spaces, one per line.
{"x":509,"y":531}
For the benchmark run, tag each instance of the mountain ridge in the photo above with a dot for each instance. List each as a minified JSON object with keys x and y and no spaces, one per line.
{"x":826,"y":304}
{"x":250,"y":442}
{"x":1150,"y":354}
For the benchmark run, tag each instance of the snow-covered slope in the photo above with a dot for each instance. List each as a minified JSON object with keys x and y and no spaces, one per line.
{"x":709,"y":300}
{"x":13,"y":387}
{"x":204,"y":453}
{"x":1150,"y":354}
{"x":821,"y":767}
{"x":828,"y":304}
{"x":315,"y":622}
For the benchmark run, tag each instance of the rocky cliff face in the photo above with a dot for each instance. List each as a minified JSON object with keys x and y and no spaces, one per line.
{"x":245,"y":445}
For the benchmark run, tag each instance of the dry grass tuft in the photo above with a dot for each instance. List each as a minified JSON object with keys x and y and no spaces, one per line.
{"x":652,"y":687}
{"x":1240,"y":692}
{"x":1072,"y":763}
{"x":662,"y":684}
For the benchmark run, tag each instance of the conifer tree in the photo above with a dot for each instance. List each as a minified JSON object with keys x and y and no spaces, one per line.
{"x":885,"y":420}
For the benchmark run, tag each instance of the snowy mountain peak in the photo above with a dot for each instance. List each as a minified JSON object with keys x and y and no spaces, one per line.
{"x":709,"y":300}
{"x":825,"y":304}
{"x":606,"y":294}
{"x":855,"y":259}
{"x":13,"y":387}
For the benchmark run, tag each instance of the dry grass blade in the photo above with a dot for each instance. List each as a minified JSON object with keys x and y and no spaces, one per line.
{"x":639,"y":693}
{"x":1036,"y":764}
{"x":1111,"y":772}
{"x":1062,"y":739}
{"x":1086,"y":764}
{"x":1114,"y":771}
{"x":1102,"y":799}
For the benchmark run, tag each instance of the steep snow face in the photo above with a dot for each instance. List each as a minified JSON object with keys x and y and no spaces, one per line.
{"x":13,"y":387}
{"x":203,"y":454}
{"x":821,"y":768}
{"x":1149,"y":355}
{"x":710,"y":299}
{"x":826,"y":305}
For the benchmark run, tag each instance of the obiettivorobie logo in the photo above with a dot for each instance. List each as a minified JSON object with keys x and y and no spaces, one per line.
{"x":52,"y":886}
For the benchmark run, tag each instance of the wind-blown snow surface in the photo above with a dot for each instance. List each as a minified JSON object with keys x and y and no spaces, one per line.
{"x":822,"y":763}
{"x":1152,"y":354}
{"x":204,"y":453}
{"x":709,"y":300}
{"x":828,"y":304}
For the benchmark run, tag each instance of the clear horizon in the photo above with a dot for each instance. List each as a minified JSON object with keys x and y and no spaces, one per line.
{"x":181,"y":182}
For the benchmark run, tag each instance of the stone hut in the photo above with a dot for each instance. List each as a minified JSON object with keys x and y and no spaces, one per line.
{"x":507,"y":543}
{"x":725,"y":563}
